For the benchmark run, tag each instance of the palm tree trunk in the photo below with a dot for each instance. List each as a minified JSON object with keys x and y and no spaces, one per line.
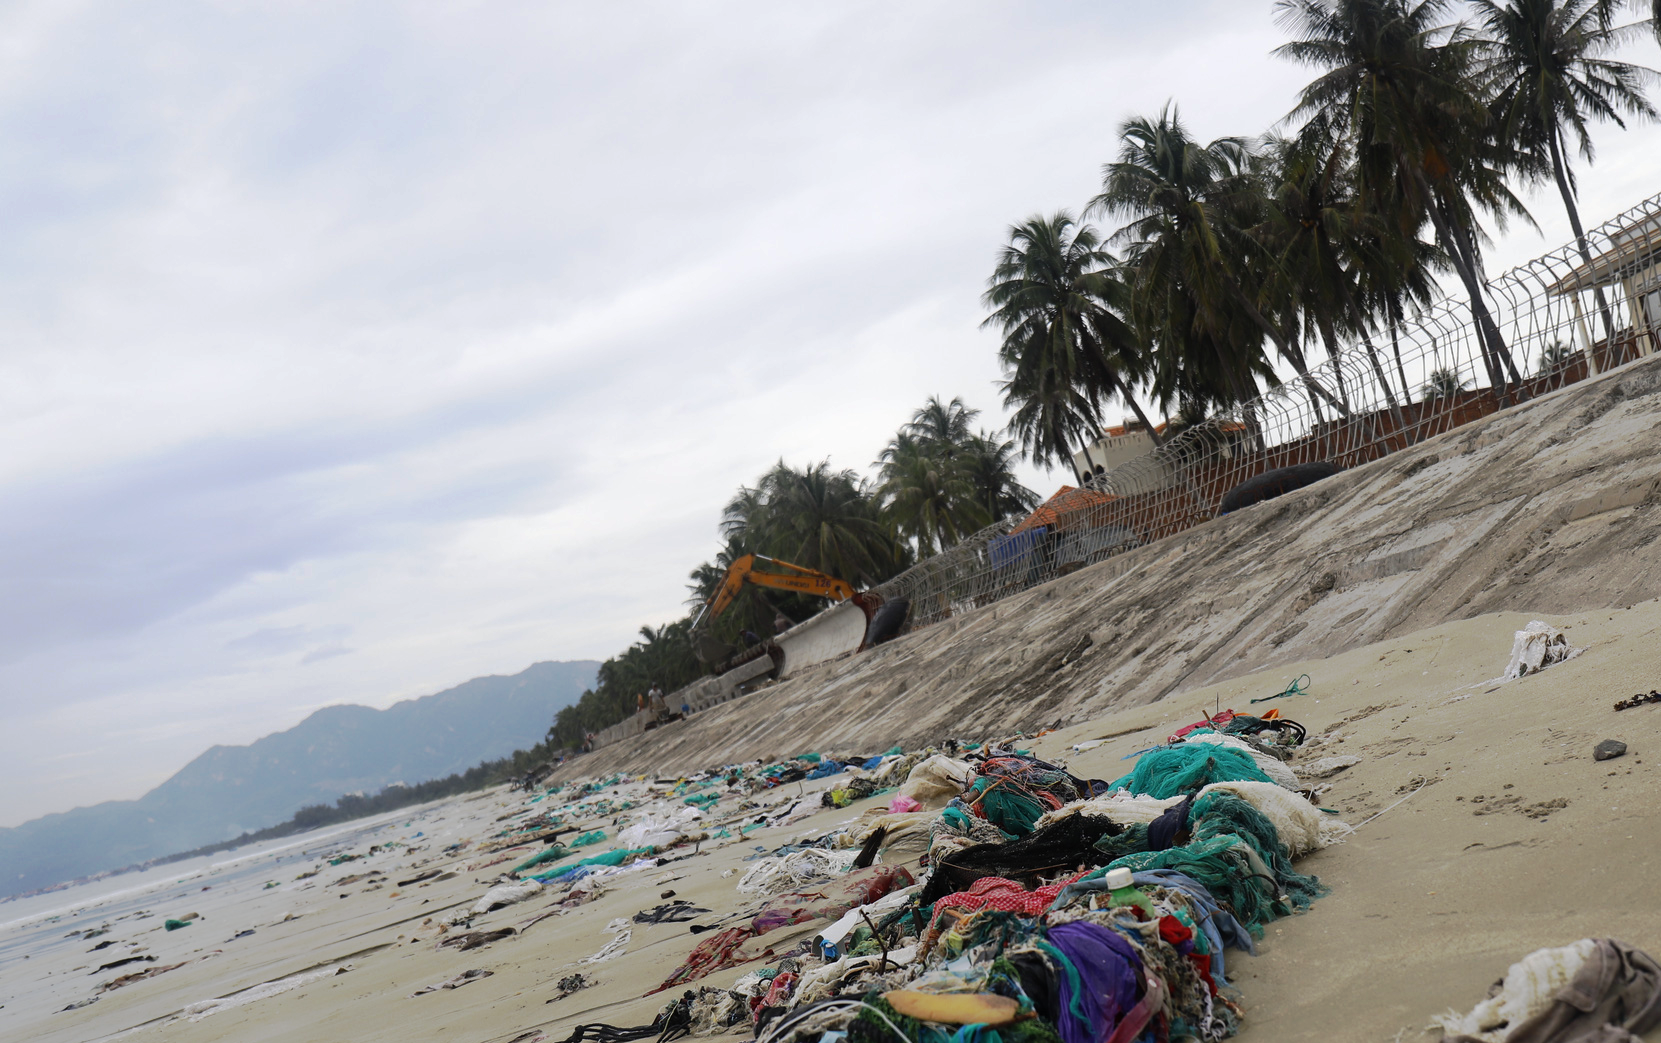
{"x":1559,"y":168}
{"x":1378,"y":367}
{"x":1123,"y":392}
{"x":1329,"y":337}
{"x":1406,"y":388}
{"x":1462,"y":264}
{"x":1488,"y":334}
{"x":1401,"y":370}
{"x":1324,"y":442}
{"x":1485,"y":318}
{"x":1244,"y":400}
{"x":1288,"y":350}
{"x":1473,"y":260}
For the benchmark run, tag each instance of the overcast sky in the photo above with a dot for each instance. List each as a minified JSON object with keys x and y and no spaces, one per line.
{"x":354,"y":350}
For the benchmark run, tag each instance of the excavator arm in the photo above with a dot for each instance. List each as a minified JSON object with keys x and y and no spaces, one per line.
{"x":781,"y":576}
{"x":778,"y":575}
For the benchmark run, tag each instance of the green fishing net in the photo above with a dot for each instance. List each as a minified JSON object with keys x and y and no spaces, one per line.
{"x":1006,"y":804}
{"x":1229,"y":869}
{"x":1222,"y":814}
{"x":1171,"y":771}
{"x":553,"y":854}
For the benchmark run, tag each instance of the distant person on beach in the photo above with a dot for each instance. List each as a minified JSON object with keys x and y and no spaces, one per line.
{"x":654,"y":699}
{"x":639,"y":703}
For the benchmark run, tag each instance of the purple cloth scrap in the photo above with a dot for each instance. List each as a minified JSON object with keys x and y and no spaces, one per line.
{"x":1107,"y":967}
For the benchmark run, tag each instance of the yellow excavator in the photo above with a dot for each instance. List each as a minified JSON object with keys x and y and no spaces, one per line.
{"x":776,"y":575}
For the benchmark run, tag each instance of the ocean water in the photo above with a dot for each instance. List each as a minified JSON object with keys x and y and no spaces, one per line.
{"x":44,"y":946}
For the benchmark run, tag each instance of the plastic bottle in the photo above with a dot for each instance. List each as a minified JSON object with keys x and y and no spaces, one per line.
{"x":1122,"y":890}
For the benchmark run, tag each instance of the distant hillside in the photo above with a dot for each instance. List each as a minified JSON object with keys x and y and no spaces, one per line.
{"x":339,"y":749}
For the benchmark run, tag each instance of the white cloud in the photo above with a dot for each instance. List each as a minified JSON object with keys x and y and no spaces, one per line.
{"x":354,"y":350}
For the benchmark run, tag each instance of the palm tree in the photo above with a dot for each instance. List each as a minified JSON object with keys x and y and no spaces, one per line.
{"x":1553,"y":355}
{"x":1396,"y":274}
{"x":989,"y":464}
{"x":1050,"y":416}
{"x":945,"y":425}
{"x":1400,"y":83}
{"x":1065,"y":349}
{"x":1316,"y":229}
{"x":1188,"y":206}
{"x":926,"y":493}
{"x":1444,"y":383}
{"x":744,"y":521}
{"x":825,"y":520}
{"x":1545,"y":61}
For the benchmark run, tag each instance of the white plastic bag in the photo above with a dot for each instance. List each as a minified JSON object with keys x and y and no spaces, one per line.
{"x":1536,"y":647}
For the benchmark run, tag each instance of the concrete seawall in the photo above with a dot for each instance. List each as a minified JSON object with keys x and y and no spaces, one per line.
{"x":827,"y":635}
{"x":1547,"y":507}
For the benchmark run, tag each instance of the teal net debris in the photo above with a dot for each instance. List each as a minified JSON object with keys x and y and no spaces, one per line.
{"x":1223,"y":814}
{"x":1228,"y":869}
{"x":1172,"y":771}
{"x":553,"y":854}
{"x":1007,"y":804}
{"x":1235,"y":852}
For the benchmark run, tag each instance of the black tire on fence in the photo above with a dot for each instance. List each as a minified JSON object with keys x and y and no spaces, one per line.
{"x":887,"y":622}
{"x":1271,"y":484}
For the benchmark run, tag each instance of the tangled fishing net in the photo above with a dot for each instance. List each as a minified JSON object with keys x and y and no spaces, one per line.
{"x":798,"y":869}
{"x":1171,"y":771}
{"x":1301,"y":826}
{"x":1267,"y":763}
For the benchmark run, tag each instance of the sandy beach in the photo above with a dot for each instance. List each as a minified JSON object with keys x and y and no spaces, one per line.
{"x":1485,"y":830}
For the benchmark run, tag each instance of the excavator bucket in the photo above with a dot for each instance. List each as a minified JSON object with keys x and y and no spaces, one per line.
{"x":710,"y":649}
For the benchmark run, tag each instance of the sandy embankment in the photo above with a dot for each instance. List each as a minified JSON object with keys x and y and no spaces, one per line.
{"x":1546,"y":507}
{"x":1431,"y":900}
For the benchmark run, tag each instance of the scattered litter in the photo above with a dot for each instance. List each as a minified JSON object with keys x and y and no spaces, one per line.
{"x":1596,"y":989}
{"x":128,"y":979}
{"x":464,"y":978}
{"x":1297,"y":687}
{"x":670,"y":912}
{"x":475,"y":939}
{"x":1536,"y":647}
{"x":617,"y":946}
{"x":935,"y":782}
{"x":204,"y":1008}
{"x":505,"y":894}
{"x":1638,"y":700}
{"x":654,"y":832}
{"x":572,"y":983}
{"x":776,"y":875}
{"x":113,"y":964}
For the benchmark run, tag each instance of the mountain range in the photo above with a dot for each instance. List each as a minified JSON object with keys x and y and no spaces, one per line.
{"x":229,"y":790}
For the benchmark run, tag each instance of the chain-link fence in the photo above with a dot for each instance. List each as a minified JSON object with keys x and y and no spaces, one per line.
{"x":1560,"y":319}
